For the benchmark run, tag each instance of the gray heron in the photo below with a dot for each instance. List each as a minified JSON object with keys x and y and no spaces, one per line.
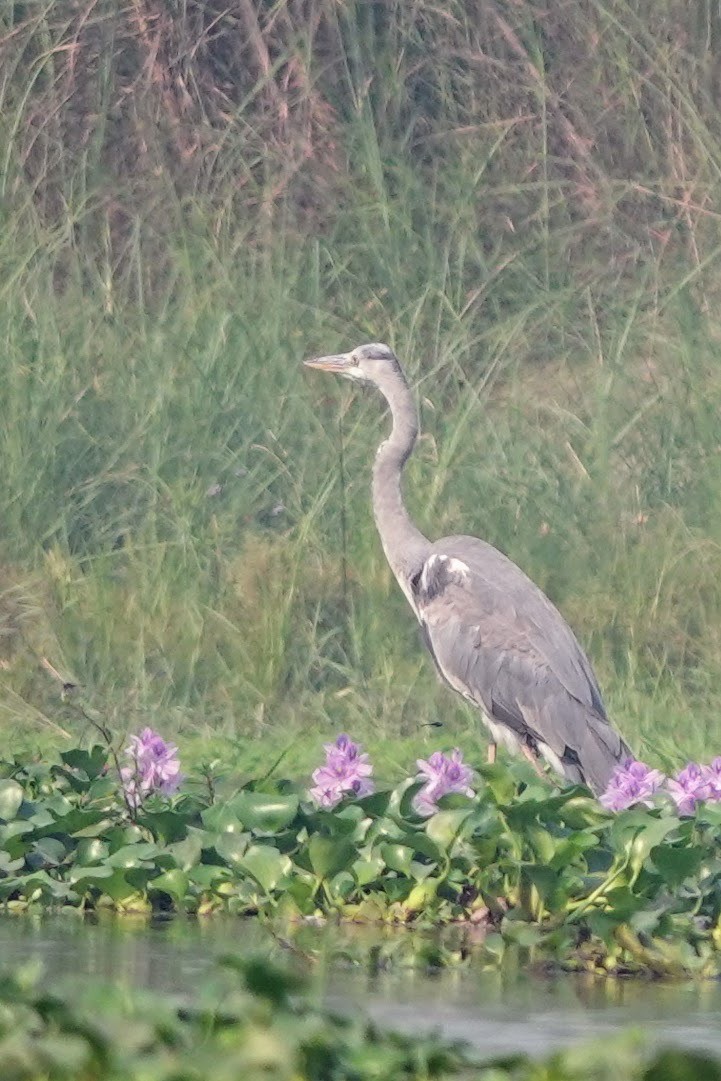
{"x":494,"y":636}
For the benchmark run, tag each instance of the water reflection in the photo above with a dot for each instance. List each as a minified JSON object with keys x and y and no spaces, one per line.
{"x":497,"y":1011}
{"x":162,"y":955}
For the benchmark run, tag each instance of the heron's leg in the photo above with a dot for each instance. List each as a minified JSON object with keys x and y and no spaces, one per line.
{"x":492,"y":748}
{"x":528,"y":753}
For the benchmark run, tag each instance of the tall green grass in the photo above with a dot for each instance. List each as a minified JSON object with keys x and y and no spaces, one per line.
{"x":523,"y":202}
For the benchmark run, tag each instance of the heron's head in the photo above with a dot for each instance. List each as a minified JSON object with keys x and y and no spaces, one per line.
{"x":372,"y":363}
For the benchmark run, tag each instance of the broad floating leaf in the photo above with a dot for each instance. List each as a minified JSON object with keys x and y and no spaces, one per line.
{"x":91,"y":763}
{"x":266,"y":865}
{"x":232,"y":846}
{"x":78,"y":875}
{"x":397,"y":858}
{"x":174,"y":883}
{"x":444,"y":826}
{"x":133,"y":855}
{"x":329,"y":855}
{"x":264,"y":812}
{"x":11,"y":797}
{"x":677,"y":864}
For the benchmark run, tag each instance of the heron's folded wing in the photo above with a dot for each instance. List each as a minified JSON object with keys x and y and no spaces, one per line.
{"x":498,"y":654}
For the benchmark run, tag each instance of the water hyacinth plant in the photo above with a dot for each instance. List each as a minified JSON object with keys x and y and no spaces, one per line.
{"x":442,"y":774}
{"x":113,"y":1033}
{"x":636,"y":783}
{"x":713,"y":776}
{"x":244,"y":847}
{"x":346,"y":771}
{"x":632,"y":782}
{"x":690,"y":786}
{"x":154,"y":767}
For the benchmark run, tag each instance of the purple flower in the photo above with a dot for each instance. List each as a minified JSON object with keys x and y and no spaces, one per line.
{"x":713,"y":776}
{"x":154,"y":767}
{"x":346,"y":771}
{"x":693,"y":784}
{"x":442,"y":774}
{"x":632,"y":782}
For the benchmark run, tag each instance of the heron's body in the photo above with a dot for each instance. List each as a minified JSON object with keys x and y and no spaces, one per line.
{"x":495,"y":637}
{"x":497,"y":640}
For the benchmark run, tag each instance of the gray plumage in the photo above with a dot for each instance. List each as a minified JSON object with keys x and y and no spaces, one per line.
{"x":495,"y":637}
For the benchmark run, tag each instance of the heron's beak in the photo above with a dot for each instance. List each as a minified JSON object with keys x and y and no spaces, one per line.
{"x":338,"y":362}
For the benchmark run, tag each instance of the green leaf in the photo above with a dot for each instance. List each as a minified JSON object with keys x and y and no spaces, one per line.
{"x":91,"y":850}
{"x":232,"y":846}
{"x":91,"y":762}
{"x":95,"y":827}
{"x":622,"y":903}
{"x":9,"y":866}
{"x":376,"y":804}
{"x":47,"y":852}
{"x":397,"y":858}
{"x":65,"y":1055}
{"x":542,"y":843}
{"x":368,"y":869}
{"x":580,"y":812}
{"x":676,"y":864}
{"x":207,"y":875}
{"x":221,"y":818}
{"x":521,"y":932}
{"x":422,"y":895}
{"x":166,"y":825}
{"x":48,"y":887}
{"x":117,"y":887}
{"x":103,"y":788}
{"x":11,"y":796}
{"x":570,"y":848}
{"x":544,"y":879}
{"x":264,"y":812}
{"x":173,"y":882}
{"x":420,"y":842}
{"x":13,"y":830}
{"x":59,"y":805}
{"x":188,"y":852}
{"x":266,"y":865}
{"x":133,"y":855}
{"x":500,"y":782}
{"x":265,"y":979}
{"x":444,"y":826}
{"x":128,"y":835}
{"x":79,"y":874}
{"x":651,"y":832}
{"x":676,"y":1064}
{"x":330,"y":855}
{"x":709,"y":814}
{"x":405,"y":798}
{"x":338,"y":823}
{"x":79,"y":821}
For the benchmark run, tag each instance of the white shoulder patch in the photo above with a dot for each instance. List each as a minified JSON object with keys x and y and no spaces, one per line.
{"x":442,"y":568}
{"x":457,"y":566}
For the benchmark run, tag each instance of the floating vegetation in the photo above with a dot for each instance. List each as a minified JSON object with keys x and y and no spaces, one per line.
{"x":250,"y":1019}
{"x":549,"y":875}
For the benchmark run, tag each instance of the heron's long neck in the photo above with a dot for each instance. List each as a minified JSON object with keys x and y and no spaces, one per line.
{"x":403,"y":543}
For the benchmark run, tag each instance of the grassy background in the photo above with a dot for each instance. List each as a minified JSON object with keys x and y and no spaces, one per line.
{"x":525,"y":202}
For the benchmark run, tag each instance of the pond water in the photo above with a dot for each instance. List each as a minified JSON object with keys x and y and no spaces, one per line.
{"x":497,"y":1012}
